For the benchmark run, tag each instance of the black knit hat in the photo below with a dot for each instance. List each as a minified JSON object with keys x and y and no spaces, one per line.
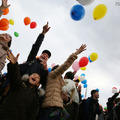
{"x":48,"y":52}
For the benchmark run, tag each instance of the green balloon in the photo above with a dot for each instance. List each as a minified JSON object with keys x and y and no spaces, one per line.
{"x":105,"y":108}
{"x":16,"y":34}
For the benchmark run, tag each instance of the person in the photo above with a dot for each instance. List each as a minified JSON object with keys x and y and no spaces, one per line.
{"x":23,"y":100}
{"x":38,"y":65}
{"x":53,"y":104}
{"x":70,"y":88}
{"x":110,"y":104}
{"x":92,"y":107}
{"x":5,"y":43}
{"x":3,"y":6}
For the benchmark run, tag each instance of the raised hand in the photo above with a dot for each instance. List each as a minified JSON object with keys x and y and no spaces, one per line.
{"x":11,"y":57}
{"x":81,"y":49}
{"x":4,"y":4}
{"x":45,"y":29}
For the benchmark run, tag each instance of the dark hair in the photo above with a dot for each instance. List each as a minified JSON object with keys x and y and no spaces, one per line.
{"x":77,"y":80}
{"x":9,"y":43}
{"x":93,"y":92}
{"x":48,"y":52}
{"x":69,"y":75}
{"x":55,"y":67}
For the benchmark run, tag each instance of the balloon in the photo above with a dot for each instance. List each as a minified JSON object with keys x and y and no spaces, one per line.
{"x":77,"y":12}
{"x":49,"y":69}
{"x":11,"y":21}
{"x":89,"y":59}
{"x":85,"y":85}
{"x":33,"y":25}
{"x":93,"y":56}
{"x":4,"y":22}
{"x":82,"y":78}
{"x":53,"y":64}
{"x":82,"y":96}
{"x":83,"y":61}
{"x":114,"y":90}
{"x":105,"y":108}
{"x":83,"y":68}
{"x":99,"y":11}
{"x":6,"y":11}
{"x":85,"y":2}
{"x":4,"y":28}
{"x":75,"y":66}
{"x":27,"y":20}
{"x":82,"y":74}
{"x":16,"y":34}
{"x":97,"y":89}
{"x":84,"y":81}
{"x":79,"y":79}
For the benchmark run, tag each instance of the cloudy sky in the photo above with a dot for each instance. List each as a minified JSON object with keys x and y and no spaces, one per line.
{"x":66,"y":35}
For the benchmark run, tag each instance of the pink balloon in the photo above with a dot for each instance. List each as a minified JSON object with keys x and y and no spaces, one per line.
{"x":76,"y":77}
{"x":33,"y":25}
{"x":75,"y":66}
{"x":83,"y":61}
{"x":53,"y":64}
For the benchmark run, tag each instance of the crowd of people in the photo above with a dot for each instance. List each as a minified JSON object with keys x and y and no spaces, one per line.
{"x":29,"y":92}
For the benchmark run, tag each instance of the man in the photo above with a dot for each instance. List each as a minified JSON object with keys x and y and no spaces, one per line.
{"x":3,"y":6}
{"x":92,"y":106}
{"x":38,"y":65}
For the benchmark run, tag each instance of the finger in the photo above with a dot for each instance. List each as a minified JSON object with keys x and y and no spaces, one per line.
{"x":47,"y":23}
{"x":8,"y":6}
{"x":17,"y":55}
{"x":10,"y":52}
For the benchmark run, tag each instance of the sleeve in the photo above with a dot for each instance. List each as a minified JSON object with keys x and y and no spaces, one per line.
{"x":61,"y":69}
{"x":14,"y":75}
{"x":2,"y":62}
{"x":35,"y":48}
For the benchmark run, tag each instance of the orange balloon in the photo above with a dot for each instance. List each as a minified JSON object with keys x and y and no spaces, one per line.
{"x":6,"y":11}
{"x":4,"y":22}
{"x":4,"y":28}
{"x":27,"y":20}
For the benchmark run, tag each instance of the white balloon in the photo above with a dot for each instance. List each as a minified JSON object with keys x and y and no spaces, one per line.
{"x":85,"y":2}
{"x":82,"y":78}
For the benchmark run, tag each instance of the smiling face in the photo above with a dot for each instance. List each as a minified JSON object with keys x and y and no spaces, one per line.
{"x":44,"y":57}
{"x":5,"y":37}
{"x":34,"y":79}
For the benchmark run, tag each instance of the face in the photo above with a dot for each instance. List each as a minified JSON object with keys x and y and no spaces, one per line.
{"x":34,"y":79}
{"x":44,"y":57}
{"x":76,"y":84}
{"x":96,"y":95}
{"x":5,"y":37}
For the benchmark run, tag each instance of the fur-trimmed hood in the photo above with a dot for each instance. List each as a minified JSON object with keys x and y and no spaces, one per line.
{"x":41,"y":91}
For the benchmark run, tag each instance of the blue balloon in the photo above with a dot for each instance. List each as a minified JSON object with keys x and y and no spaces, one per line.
{"x":97,"y":89}
{"x":89,"y":59}
{"x":82,"y":96}
{"x":84,"y":82}
{"x":85,"y":85}
{"x":49,"y":69}
{"x":82,"y":74}
{"x":77,"y":12}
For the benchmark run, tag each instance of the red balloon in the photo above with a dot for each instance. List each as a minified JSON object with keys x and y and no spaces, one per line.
{"x":27,"y":21}
{"x":4,"y":28}
{"x":4,"y":22}
{"x":83,"y":61}
{"x":33,"y":25}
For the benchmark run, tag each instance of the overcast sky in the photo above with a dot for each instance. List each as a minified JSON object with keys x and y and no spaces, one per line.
{"x":66,"y":35}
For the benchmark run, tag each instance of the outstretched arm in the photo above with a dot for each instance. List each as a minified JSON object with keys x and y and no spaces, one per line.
{"x":3,"y":6}
{"x":37,"y":44}
{"x":61,"y":69}
{"x":13,"y":70}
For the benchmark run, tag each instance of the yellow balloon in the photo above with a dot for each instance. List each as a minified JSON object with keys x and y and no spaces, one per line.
{"x":93,"y":56}
{"x":83,"y":68}
{"x":79,"y":79}
{"x":99,"y":11}
{"x":11,"y":21}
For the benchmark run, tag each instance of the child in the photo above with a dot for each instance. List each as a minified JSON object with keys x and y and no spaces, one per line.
{"x":23,"y":100}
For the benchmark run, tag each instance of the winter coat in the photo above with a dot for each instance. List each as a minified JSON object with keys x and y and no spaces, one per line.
{"x":91,"y":108}
{"x":71,"y":89}
{"x":55,"y":83}
{"x":3,"y":53}
{"x":23,"y":101}
{"x":34,"y":65}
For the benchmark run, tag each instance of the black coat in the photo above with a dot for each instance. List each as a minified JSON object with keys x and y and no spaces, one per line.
{"x":32,"y":64}
{"x":22,"y":102}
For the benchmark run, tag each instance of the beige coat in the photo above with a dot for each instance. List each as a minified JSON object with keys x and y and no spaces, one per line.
{"x":3,"y":53}
{"x":55,"y":83}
